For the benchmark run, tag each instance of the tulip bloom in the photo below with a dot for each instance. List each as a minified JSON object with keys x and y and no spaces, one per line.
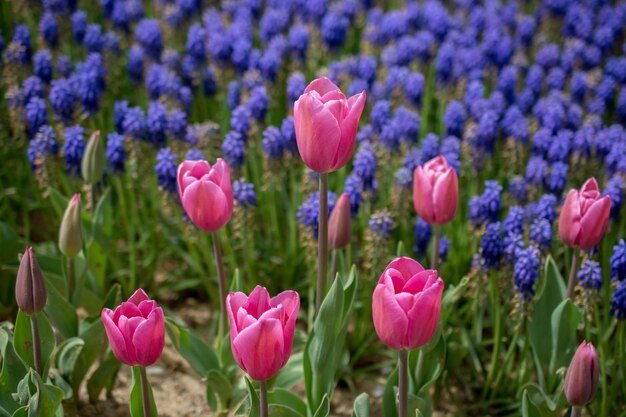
{"x":406,"y":304}
{"x":261,"y":330}
{"x":340,"y":223}
{"x":136,"y":330}
{"x":206,"y":193}
{"x":435,"y":191}
{"x":30,"y":288}
{"x":584,"y":216}
{"x":581,"y":380}
{"x":326,"y":124}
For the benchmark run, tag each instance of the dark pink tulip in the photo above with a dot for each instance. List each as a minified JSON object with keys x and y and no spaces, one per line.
{"x":326,"y":124}
{"x":584,"y":216}
{"x":206,"y":193}
{"x":406,"y":304}
{"x":435,"y":191}
{"x":581,"y":380}
{"x":136,"y":330}
{"x":340,"y":223}
{"x":30,"y":287}
{"x":262,"y":329}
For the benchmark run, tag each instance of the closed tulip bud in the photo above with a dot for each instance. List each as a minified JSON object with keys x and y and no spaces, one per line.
{"x":92,"y":166}
{"x":136,"y":330}
{"x":340,"y":223}
{"x":435,"y":191}
{"x":584,"y":216}
{"x":261,"y":330}
{"x":70,"y":232}
{"x":206,"y":193}
{"x":406,"y":304}
{"x":30,"y":288}
{"x":326,"y":123}
{"x":581,"y":380}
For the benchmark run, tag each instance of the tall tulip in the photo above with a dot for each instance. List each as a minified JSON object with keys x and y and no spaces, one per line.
{"x":405,"y":307}
{"x":581,"y":379}
{"x":584,"y":216}
{"x":261,"y":333}
{"x":325,"y":122}
{"x":340,"y":223}
{"x":435,"y":196}
{"x":136,"y":333}
{"x":207,"y":197}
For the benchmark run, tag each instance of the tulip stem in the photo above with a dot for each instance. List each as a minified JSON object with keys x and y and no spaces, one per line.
{"x":333,"y":265}
{"x":575,"y":412}
{"x":71,"y":280}
{"x":145,"y":393}
{"x":434,"y":259}
{"x":571,"y":282}
{"x":221,"y":282}
{"x":34,"y":328}
{"x":263,"y":398}
{"x":322,"y":242}
{"x":403,"y":381}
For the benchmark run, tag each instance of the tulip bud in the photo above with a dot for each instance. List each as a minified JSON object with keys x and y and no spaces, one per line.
{"x":70,"y":233}
{"x":406,"y":304}
{"x":435,"y":191}
{"x":30,"y":288}
{"x":584,"y":216}
{"x":340,"y":223}
{"x":93,"y":160}
{"x":581,"y":380}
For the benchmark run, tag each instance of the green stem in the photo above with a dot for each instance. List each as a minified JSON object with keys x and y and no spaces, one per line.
{"x":71,"y":280}
{"x":575,"y":412}
{"x":145,"y":393}
{"x":322,"y":242}
{"x":263,"y":398}
{"x":333,"y":265}
{"x":34,"y":327}
{"x":571,"y":282}
{"x":403,"y":382}
{"x":434,"y":259}
{"x":221,"y":282}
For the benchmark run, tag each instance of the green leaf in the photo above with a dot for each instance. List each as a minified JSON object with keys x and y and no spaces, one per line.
{"x":390,"y":408}
{"x":67,"y":354}
{"x":255,"y":406}
{"x":549,"y":296}
{"x":136,"y":400}
{"x":279,"y":410}
{"x":288,"y":399}
{"x":236,"y":284}
{"x":529,"y":409}
{"x":12,"y":372}
{"x":45,"y":399}
{"x":9,"y":243}
{"x":23,"y":341}
{"x":61,"y":312}
{"x":292,"y":372}
{"x":565,"y":320}
{"x":433,"y":363}
{"x":94,"y":338}
{"x":361,"y":406}
{"x":324,"y":408}
{"x":195,"y":350}
{"x":219,"y":388}
{"x":103,"y":377}
{"x":21,"y":412}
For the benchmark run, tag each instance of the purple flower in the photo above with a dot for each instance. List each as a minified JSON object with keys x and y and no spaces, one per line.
{"x":148,"y":35}
{"x":165,"y":169}
{"x":115,"y":152}
{"x":73,"y":148}
{"x":62,"y":99}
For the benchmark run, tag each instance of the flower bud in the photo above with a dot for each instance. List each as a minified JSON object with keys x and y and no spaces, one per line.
{"x":30,"y":288}
{"x":581,"y":380}
{"x":340,"y":223}
{"x":70,"y":233}
{"x":93,"y":160}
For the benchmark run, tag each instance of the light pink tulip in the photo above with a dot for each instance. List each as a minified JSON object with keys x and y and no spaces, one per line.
{"x":340,"y":223}
{"x":435,"y":191}
{"x":584,"y":216}
{"x":406,"y":304}
{"x":581,"y":380}
{"x":262,"y":329}
{"x":136,"y":330}
{"x":206,"y":193}
{"x":326,"y":124}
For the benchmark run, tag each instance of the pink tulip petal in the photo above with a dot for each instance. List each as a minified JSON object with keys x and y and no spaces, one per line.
{"x":406,"y":266}
{"x":130,"y":309}
{"x":206,"y":205}
{"x":258,"y":302}
{"x":569,"y":220}
{"x":593,"y":223}
{"x":116,"y":339}
{"x":423,"y":195}
{"x":290,"y":300}
{"x":149,"y":338}
{"x":390,"y":320}
{"x":420,"y":281}
{"x":424,"y":316}
{"x":322,"y":85}
{"x":349,"y":128}
{"x":146,"y":307}
{"x":183,"y":169}
{"x":336,"y":108}
{"x":259,"y":349}
{"x":138,"y":296}
{"x":445,"y":197}
{"x":405,"y":300}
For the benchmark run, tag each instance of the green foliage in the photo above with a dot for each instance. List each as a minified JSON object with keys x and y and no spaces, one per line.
{"x":136,"y":399}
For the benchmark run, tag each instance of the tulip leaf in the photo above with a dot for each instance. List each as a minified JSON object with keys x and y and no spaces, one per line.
{"x":255,"y":406}
{"x":61,"y":312}
{"x":390,"y":398}
{"x":39,"y":399}
{"x":103,"y":377}
{"x":219,"y":390}
{"x":292,"y":372}
{"x":565,"y":320}
{"x":11,"y":373}
{"x":288,"y":399}
{"x":21,"y":412}
{"x":361,"y":406}
{"x":195,"y":350}
{"x":324,"y":408}
{"x":529,"y":409}
{"x":136,"y":400}
{"x":67,"y":354}
{"x":279,"y":410}
{"x":23,"y":340}
{"x":94,"y":338}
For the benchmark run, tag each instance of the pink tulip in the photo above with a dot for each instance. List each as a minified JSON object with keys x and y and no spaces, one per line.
{"x":340,"y":223}
{"x":206,"y":193}
{"x":326,"y":124}
{"x":406,"y":304}
{"x":584,"y":216}
{"x":136,"y":330}
{"x":262,"y":329}
{"x":435,"y":191}
{"x":581,"y":380}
